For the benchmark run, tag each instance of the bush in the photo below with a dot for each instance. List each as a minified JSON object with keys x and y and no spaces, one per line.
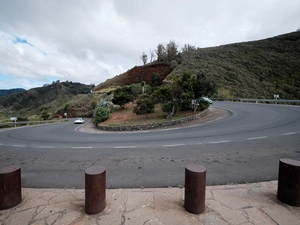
{"x":170,"y":108}
{"x":144,"y":105}
{"x":93,"y":104}
{"x":45,"y":115}
{"x":203,"y":105}
{"x":101,"y":115}
{"x":122,"y":96}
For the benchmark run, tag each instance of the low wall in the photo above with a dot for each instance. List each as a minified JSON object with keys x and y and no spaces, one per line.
{"x":154,"y":125}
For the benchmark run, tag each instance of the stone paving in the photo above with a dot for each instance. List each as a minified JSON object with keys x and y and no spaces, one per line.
{"x":244,"y":204}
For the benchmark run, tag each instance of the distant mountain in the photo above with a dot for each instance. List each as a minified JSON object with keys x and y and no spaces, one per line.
{"x":5,"y":92}
{"x":54,"y":98}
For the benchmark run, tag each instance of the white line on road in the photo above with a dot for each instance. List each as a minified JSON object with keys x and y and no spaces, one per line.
{"x":45,"y":146}
{"x":125,"y":147}
{"x":174,"y":145}
{"x":20,"y":146}
{"x":81,"y":147}
{"x":291,"y":133}
{"x":256,"y":138}
{"x":218,"y":142}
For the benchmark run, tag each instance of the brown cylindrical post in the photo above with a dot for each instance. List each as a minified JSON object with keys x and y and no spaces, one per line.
{"x":10,"y":187}
{"x":95,"y":189}
{"x":289,"y":182}
{"x":195,"y":185}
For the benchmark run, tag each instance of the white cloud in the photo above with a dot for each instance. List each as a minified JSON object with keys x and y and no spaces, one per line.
{"x":91,"y":41}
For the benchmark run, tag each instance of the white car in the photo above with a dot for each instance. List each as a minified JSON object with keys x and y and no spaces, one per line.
{"x":79,"y":120}
{"x":206,"y":99}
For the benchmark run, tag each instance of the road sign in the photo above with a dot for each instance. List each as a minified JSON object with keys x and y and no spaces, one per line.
{"x":13,"y":118}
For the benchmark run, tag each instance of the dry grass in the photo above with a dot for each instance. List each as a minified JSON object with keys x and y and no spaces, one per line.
{"x":127,"y":117}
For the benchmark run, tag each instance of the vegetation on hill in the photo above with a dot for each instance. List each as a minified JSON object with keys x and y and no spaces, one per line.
{"x":53,"y":99}
{"x":5,"y":92}
{"x":256,"y":69}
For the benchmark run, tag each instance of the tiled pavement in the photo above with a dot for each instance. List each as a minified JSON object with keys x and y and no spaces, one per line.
{"x":243,"y":204}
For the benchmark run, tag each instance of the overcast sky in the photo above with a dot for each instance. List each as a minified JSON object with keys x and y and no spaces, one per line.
{"x":90,"y":41}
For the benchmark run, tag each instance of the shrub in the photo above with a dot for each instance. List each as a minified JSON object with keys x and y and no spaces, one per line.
{"x":170,"y":108}
{"x":45,"y":115}
{"x":144,"y":105}
{"x":203,"y":105}
{"x":101,"y":115}
{"x":122,"y":96}
{"x":93,"y":104}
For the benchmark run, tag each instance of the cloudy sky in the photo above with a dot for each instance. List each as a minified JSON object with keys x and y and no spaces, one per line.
{"x":89,"y":41}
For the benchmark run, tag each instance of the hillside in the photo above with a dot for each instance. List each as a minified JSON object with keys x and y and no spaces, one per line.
{"x":54,"y":99}
{"x":255,"y":69}
{"x":5,"y":92}
{"x":137,"y":75}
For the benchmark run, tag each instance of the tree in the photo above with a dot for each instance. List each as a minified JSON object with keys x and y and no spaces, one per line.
{"x":168,"y":95}
{"x":162,"y":95}
{"x":168,"y":53}
{"x":144,"y":57}
{"x":202,"y":86}
{"x":188,"y":48}
{"x":161,"y":53}
{"x":180,"y":93}
{"x":144,"y":105}
{"x":122,"y":96}
{"x":172,"y":50}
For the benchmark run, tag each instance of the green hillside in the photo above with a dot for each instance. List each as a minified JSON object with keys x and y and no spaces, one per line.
{"x":5,"y":92}
{"x":256,"y":69}
{"x":54,"y":99}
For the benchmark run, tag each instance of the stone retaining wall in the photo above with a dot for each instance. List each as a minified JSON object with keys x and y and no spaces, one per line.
{"x":154,"y":125}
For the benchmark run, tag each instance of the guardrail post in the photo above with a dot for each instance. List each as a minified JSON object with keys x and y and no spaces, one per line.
{"x":195,"y":184}
{"x":289,"y":182}
{"x":95,"y":189}
{"x":10,"y":187}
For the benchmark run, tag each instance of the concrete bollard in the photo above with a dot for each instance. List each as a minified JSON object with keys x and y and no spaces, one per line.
{"x":288,"y":190}
{"x":95,"y":189}
{"x":195,"y":185}
{"x":10,"y":187}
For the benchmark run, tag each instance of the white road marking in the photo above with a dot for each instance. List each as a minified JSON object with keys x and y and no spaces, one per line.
{"x":20,"y":146}
{"x":81,"y":147}
{"x":291,"y":133}
{"x":125,"y":147}
{"x":256,"y":138}
{"x":218,"y":142}
{"x":174,"y":145}
{"x":45,"y":146}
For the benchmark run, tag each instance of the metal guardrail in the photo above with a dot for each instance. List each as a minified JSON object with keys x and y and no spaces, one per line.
{"x":31,"y":122}
{"x":256,"y":100}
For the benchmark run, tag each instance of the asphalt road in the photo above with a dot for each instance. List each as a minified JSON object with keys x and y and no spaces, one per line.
{"x":245,"y":147}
